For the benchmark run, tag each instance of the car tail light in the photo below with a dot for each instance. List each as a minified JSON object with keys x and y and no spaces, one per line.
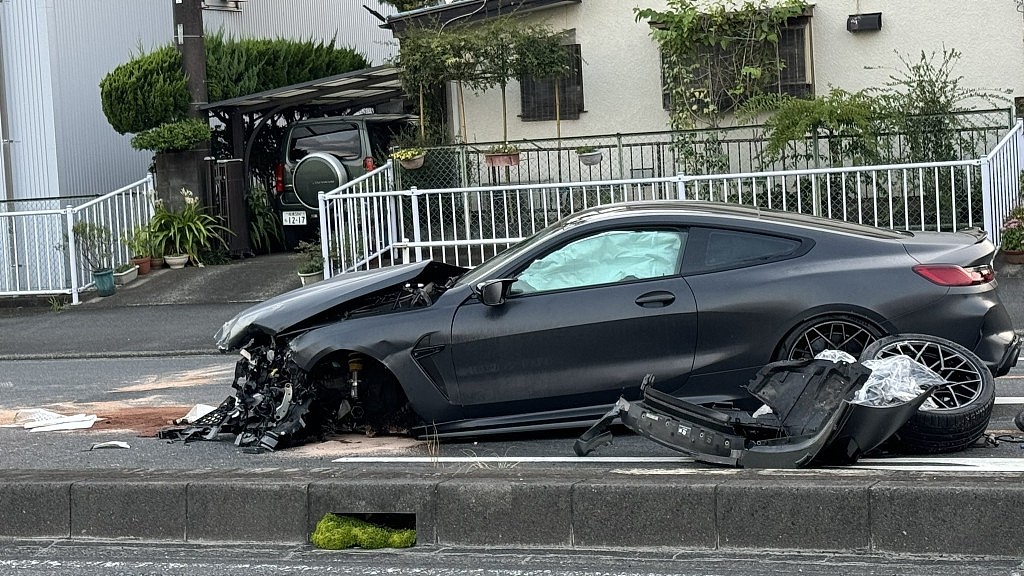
{"x":279,"y":178}
{"x":368,"y":164}
{"x":951,"y":275}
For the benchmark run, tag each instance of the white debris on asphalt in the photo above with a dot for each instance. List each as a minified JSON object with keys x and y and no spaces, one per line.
{"x":42,"y":420}
{"x":197,"y":412}
{"x":110,"y":444}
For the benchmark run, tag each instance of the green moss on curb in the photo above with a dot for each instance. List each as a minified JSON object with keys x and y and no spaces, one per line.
{"x":338,"y":532}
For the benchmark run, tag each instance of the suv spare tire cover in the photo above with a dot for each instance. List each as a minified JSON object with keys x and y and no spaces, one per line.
{"x":315,"y":173}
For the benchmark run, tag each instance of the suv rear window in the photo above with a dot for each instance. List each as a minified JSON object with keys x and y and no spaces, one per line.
{"x":341,"y":140}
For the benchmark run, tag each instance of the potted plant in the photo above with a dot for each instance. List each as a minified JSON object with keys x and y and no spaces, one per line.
{"x":410,"y":158}
{"x":589,"y":155}
{"x":311,"y":262}
{"x":95,"y":246}
{"x":1011,"y":236}
{"x":125,"y":273}
{"x":184,"y":232}
{"x":502,"y":155}
{"x":138,"y":244}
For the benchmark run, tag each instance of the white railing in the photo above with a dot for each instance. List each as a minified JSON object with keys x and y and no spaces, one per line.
{"x":1001,"y":177}
{"x":941,"y":196}
{"x":38,"y":255}
{"x":359,"y":221}
{"x":369,"y":225}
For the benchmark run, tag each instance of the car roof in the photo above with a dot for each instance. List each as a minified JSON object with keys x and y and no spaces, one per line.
{"x":726,"y":211}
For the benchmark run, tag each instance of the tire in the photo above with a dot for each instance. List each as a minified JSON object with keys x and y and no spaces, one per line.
{"x":829,"y":332}
{"x":965,"y":406}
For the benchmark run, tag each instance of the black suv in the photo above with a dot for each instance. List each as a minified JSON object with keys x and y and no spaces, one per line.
{"x":320,"y":154}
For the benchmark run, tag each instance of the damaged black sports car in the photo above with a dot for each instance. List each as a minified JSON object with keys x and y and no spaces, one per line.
{"x":551,"y":332}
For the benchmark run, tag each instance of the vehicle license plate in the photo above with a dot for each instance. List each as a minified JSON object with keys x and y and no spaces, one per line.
{"x":296,"y":218}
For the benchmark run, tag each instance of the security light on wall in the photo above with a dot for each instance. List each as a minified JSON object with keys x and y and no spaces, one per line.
{"x":864,"y":22}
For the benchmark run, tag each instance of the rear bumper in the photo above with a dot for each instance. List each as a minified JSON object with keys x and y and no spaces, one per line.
{"x":992,"y":345}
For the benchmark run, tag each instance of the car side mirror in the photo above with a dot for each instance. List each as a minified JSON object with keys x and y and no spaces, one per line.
{"x":493,"y":292}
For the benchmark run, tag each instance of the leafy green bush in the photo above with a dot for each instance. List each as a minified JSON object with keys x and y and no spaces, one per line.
{"x":339,"y":532}
{"x":148,"y":90}
{"x":173,"y":136}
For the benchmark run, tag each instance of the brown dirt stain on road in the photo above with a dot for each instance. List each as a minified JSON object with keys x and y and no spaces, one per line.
{"x":186,"y":379}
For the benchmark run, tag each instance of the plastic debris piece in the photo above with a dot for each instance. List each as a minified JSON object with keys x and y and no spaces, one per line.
{"x":21,"y":417}
{"x":835,"y":356}
{"x":897,"y":379}
{"x":110,"y":444}
{"x":76,"y":422}
{"x":197,"y":412}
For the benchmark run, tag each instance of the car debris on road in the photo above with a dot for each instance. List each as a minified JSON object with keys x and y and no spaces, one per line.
{"x":829,"y":409}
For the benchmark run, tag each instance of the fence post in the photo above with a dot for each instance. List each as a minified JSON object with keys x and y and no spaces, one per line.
{"x":680,"y":186}
{"x":987,"y":197}
{"x":69,"y":224}
{"x":325,"y":239}
{"x":416,"y":223}
{"x":618,"y":148}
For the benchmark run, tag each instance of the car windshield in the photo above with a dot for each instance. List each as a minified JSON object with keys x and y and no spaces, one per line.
{"x":485,"y":270}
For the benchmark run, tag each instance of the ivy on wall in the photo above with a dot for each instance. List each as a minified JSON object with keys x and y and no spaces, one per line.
{"x":717,"y":54}
{"x":479,"y":56}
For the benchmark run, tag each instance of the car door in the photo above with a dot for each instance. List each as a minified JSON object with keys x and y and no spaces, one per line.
{"x":583,"y":323}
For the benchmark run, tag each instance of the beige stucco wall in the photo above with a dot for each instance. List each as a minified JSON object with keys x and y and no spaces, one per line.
{"x":621,"y":79}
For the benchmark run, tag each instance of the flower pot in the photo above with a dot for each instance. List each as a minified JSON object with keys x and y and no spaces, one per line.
{"x":156,"y":263}
{"x":143,"y":263}
{"x":413,"y":163}
{"x":176,"y":261}
{"x":501,"y":159}
{"x":311,"y":277}
{"x":591,"y":158}
{"x":1013,"y":256}
{"x":122,"y":278}
{"x":104,"y":280}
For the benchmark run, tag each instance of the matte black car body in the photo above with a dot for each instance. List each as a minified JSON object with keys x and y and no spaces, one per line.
{"x":744,"y":281}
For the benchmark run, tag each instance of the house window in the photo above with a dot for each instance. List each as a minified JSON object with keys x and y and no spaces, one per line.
{"x":538,"y":94}
{"x":794,"y":50}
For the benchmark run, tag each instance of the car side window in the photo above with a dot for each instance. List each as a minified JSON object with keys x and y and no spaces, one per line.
{"x":604,"y":258}
{"x":341,"y":140}
{"x":731,"y":248}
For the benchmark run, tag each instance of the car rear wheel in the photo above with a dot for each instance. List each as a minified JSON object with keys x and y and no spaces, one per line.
{"x":964,"y":406}
{"x":830,"y":332}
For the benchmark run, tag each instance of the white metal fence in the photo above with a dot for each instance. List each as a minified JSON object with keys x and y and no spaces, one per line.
{"x":365,"y":224}
{"x":38,"y":255}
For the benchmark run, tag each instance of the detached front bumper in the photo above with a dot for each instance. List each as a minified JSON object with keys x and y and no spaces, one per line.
{"x":817,"y":420}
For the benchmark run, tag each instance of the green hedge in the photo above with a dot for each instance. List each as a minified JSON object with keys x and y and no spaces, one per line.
{"x":150,"y":89}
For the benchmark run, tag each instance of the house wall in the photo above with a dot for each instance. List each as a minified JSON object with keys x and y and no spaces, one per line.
{"x":621,"y":76}
{"x":55,"y":52}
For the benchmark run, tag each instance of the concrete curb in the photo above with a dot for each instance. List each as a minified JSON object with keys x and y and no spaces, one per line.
{"x":841,"y":511}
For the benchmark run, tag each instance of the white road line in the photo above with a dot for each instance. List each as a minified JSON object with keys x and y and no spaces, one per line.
{"x":512,"y":459}
{"x":1010,"y":400}
{"x":950,"y":465}
{"x":943,"y":464}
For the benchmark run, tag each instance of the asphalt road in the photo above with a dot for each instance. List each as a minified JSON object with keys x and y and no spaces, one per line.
{"x":140,"y":395}
{"x":68,"y":558}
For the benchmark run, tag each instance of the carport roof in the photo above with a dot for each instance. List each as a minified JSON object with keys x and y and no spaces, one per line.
{"x":351,"y":90}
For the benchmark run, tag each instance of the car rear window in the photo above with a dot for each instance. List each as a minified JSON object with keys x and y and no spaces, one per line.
{"x":341,"y":140}
{"x":730,"y":248}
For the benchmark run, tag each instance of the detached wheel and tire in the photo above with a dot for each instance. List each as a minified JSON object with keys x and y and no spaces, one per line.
{"x":964,"y":406}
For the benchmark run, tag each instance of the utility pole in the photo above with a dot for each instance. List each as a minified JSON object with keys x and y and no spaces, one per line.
{"x":188,"y":38}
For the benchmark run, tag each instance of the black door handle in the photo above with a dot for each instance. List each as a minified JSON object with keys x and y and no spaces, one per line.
{"x":658,"y":299}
